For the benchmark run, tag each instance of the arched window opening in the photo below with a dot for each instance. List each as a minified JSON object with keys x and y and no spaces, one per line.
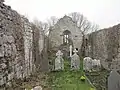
{"x":66,"y":37}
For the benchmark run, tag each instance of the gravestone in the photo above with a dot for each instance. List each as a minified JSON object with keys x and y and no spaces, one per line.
{"x":114,"y":80}
{"x":59,"y":62}
{"x":75,"y":61}
{"x":96,"y":65}
{"x":87,"y":64}
{"x":84,"y":63}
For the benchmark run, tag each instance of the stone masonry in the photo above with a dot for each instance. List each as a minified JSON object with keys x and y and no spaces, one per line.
{"x":105,"y":46}
{"x":11,"y":44}
{"x":16,"y":46}
{"x":65,"y":24}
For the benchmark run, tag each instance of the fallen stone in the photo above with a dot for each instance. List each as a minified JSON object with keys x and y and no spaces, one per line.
{"x":37,"y":88}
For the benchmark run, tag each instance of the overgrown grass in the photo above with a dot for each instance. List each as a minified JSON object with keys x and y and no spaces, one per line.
{"x":68,"y":80}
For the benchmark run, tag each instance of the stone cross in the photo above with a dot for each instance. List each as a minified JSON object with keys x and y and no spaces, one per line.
{"x":59,"y":53}
{"x":70,"y":50}
{"x":75,"y":51}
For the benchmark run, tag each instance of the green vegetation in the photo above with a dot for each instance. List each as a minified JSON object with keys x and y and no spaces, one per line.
{"x":99,"y":79}
{"x":68,"y":80}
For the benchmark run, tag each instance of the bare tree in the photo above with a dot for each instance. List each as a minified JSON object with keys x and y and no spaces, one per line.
{"x":37,"y":23}
{"x":44,"y":27}
{"x":49,"y":24}
{"x":52,"y":21}
{"x":84,"y":25}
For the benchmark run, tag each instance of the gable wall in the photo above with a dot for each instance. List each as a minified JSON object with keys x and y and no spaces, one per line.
{"x":63,"y":24}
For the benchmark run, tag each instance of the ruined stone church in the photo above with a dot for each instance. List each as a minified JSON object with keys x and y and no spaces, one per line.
{"x":24,"y":47}
{"x":66,"y":32}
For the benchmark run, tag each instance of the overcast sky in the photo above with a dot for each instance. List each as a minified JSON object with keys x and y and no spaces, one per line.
{"x":105,"y":13}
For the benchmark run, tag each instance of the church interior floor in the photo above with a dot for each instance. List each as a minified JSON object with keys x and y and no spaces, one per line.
{"x":68,"y":80}
{"x":56,"y":80}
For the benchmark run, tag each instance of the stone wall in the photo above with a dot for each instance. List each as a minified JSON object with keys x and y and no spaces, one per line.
{"x":11,"y":44}
{"x":40,"y":47}
{"x":57,"y":33}
{"x":29,"y":64}
{"x":16,"y":46}
{"x":38,"y":44}
{"x":105,"y":45}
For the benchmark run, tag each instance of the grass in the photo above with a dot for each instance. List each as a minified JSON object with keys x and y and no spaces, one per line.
{"x":68,"y":80}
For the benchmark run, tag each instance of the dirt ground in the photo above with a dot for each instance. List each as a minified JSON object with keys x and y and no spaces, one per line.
{"x":37,"y":79}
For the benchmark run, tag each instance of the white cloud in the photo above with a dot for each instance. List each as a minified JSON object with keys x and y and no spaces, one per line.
{"x":103,"y":12}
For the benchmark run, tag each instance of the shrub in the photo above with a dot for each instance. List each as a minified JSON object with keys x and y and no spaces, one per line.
{"x":82,"y":78}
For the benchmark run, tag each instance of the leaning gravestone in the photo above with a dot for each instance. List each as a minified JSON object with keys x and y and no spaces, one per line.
{"x":75,"y":61}
{"x":59,"y":62}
